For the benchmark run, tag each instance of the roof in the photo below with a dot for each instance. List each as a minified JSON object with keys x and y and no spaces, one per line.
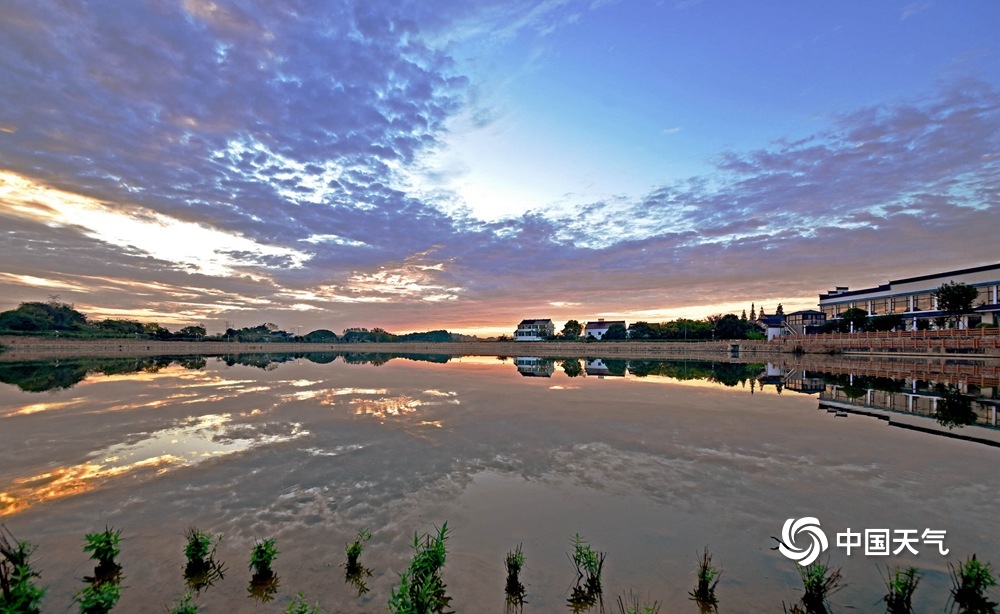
{"x":603,"y":324}
{"x":910,"y":280}
{"x":531,"y":322}
{"x":773,"y":320}
{"x":805,"y":312}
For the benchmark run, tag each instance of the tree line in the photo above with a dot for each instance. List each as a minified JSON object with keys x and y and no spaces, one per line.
{"x":62,"y":319}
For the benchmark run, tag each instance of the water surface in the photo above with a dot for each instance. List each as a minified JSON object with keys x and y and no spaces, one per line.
{"x":650,"y":462}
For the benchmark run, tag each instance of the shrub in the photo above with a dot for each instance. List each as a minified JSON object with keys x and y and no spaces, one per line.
{"x":970,"y":582}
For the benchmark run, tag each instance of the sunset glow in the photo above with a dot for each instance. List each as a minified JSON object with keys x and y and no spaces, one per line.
{"x":466,"y":165}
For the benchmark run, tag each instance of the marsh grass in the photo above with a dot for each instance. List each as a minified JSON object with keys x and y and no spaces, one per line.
{"x":971,"y":581}
{"x":184,"y":606}
{"x":629,"y":604}
{"x":299,"y":605}
{"x":514,"y":563}
{"x":355,"y":573}
{"x":587,"y":591}
{"x":98,"y":598}
{"x":202,"y":569}
{"x":708,"y":578}
{"x":18,"y":592}
{"x":900,"y":585}
{"x":264,"y":582}
{"x":355,"y":548}
{"x":819,"y":581}
{"x":421,"y":590}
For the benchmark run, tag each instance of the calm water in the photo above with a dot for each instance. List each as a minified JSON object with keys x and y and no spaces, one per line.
{"x":649,"y":469}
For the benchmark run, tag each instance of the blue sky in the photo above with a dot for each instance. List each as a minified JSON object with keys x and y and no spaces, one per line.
{"x":464,"y":165}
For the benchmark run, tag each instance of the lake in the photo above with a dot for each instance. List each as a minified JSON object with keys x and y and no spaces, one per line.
{"x":649,"y":461}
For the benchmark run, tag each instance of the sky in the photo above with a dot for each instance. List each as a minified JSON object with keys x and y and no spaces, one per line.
{"x":465,"y":164}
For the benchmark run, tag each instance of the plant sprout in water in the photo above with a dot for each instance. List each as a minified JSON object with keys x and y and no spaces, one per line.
{"x":900,"y":585}
{"x":356,"y":573}
{"x":98,"y":598}
{"x":708,"y":578}
{"x":18,"y":592}
{"x":202,"y":570}
{"x":589,"y":563}
{"x":421,"y":590}
{"x":970,"y":582}
{"x":514,"y":562}
{"x":264,"y":583}
{"x":299,"y":605}
{"x":629,"y":604}
{"x":104,"y":548}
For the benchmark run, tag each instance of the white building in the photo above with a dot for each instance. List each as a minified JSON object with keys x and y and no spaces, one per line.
{"x":599,"y":328}
{"x":534,"y":330}
{"x":913,"y":298}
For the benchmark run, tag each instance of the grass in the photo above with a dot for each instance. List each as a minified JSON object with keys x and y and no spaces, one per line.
{"x":98,"y":598}
{"x":354,"y":572}
{"x":18,"y":592}
{"x":262,"y":555}
{"x":202,"y":570}
{"x":819,"y":581}
{"x":970,"y":582}
{"x":184,"y":606}
{"x":900,"y":585}
{"x":629,"y":604}
{"x":514,"y":563}
{"x":355,"y":548}
{"x":708,"y":577}
{"x":589,"y":564}
{"x":421,"y":590}
{"x":300,"y":606}
{"x":104,"y":546}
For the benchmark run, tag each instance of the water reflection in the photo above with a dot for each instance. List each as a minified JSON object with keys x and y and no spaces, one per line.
{"x":654,"y":460}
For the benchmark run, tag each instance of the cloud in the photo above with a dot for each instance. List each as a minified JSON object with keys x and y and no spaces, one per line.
{"x":203,"y":160}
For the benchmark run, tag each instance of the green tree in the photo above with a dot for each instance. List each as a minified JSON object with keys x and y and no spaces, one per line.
{"x":955,"y":299}
{"x":571,"y":330}
{"x":321,"y":335}
{"x":192,"y":332}
{"x":615,"y":332}
{"x":730,"y":327}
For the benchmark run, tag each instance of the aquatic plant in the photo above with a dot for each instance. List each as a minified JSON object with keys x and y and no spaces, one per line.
{"x":708,"y":578}
{"x":900,"y":585}
{"x":354,"y":572}
{"x":104,"y":546}
{"x":18,"y":592}
{"x":184,"y":606}
{"x":262,"y":555}
{"x":514,"y":562}
{"x":202,"y":570}
{"x":300,"y":606}
{"x":819,"y":581}
{"x":588,"y":562}
{"x":970,"y":582}
{"x":354,"y":548}
{"x":421,"y":590}
{"x":630,"y":605}
{"x":98,"y":598}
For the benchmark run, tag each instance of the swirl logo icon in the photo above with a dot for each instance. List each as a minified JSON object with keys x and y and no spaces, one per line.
{"x":808,"y":529}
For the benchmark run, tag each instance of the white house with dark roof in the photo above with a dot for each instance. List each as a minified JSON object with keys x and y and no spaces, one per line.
{"x":534,"y":330}
{"x":599,"y":328}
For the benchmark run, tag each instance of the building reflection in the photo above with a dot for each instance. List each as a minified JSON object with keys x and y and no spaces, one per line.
{"x":534,"y":366}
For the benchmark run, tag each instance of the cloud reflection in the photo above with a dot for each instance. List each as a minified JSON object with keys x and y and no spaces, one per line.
{"x":195,"y":440}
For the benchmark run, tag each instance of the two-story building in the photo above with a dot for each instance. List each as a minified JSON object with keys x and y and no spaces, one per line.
{"x":534,"y":330}
{"x":913,"y":297}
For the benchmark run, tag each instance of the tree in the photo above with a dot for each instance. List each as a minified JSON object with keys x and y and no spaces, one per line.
{"x":743,"y":318}
{"x":955,"y":299}
{"x":615,"y":332}
{"x":855,"y":318}
{"x":753,"y":312}
{"x":780,"y":310}
{"x":571,"y":330}
{"x":572,"y":368}
{"x":192,"y":332}
{"x":730,"y":327}
{"x":888,"y":321}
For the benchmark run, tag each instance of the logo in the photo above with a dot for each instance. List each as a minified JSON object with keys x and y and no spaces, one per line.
{"x":812,"y":540}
